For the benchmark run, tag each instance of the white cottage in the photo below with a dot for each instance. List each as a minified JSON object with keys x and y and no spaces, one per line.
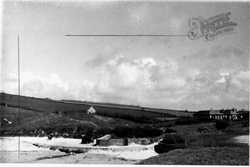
{"x":91,"y":110}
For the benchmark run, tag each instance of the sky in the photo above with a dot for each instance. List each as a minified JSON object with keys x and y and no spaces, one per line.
{"x":174,"y":72}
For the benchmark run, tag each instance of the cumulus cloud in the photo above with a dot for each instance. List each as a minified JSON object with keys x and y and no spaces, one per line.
{"x":50,"y":86}
{"x":107,"y":54}
{"x":205,"y":80}
{"x":142,"y":81}
{"x":240,"y":81}
{"x":222,"y":76}
{"x":8,"y":83}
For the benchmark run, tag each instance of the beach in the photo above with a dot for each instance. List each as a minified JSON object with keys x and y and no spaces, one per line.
{"x":41,"y":150}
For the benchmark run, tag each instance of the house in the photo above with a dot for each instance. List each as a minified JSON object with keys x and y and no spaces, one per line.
{"x":228,"y":114}
{"x":118,"y":142}
{"x":216,"y":114}
{"x":91,"y":110}
{"x":103,"y":141}
{"x":107,"y":140}
{"x":202,"y":114}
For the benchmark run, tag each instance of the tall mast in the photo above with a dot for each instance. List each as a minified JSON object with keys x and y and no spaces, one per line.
{"x":18,"y":98}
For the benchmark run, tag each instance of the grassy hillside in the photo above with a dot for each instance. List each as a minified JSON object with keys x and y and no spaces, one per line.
{"x":73,"y":125}
{"x":31,"y":120}
{"x":203,"y":156}
{"x":52,"y":106}
{"x":204,"y":145}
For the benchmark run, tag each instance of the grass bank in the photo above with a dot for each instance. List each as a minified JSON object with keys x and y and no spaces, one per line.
{"x":209,"y":147}
{"x":203,"y":156}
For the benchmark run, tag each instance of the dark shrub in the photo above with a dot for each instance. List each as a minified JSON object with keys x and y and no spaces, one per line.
{"x":173,"y":139}
{"x":88,"y":138}
{"x":160,"y":148}
{"x":122,"y":131}
{"x":245,"y":124}
{"x":170,"y":142}
{"x":221,"y":125}
{"x":103,"y":131}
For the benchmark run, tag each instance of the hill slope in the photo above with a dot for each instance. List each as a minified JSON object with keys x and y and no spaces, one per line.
{"x":35,"y":120}
{"x":52,"y":106}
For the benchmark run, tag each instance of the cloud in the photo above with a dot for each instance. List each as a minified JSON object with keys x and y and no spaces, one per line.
{"x":221,"y":77}
{"x":122,"y":79}
{"x":208,"y":79}
{"x":50,"y":86}
{"x":143,"y":81}
{"x":8,"y":83}
{"x":98,"y":61}
{"x":241,"y":80}
{"x":108,"y":53}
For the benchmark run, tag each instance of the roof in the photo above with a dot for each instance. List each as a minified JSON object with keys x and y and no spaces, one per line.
{"x":229,"y":111}
{"x":203,"y":112}
{"x":216,"y":112}
{"x":91,"y":108}
{"x":106,"y":137}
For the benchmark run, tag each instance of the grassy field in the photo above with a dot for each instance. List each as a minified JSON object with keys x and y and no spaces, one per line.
{"x":187,"y":129}
{"x":47,"y":105}
{"x":203,"y":156}
{"x":206,"y":147}
{"x":30,"y":120}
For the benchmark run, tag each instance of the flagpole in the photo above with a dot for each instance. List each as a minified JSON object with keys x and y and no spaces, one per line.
{"x":18,"y":98}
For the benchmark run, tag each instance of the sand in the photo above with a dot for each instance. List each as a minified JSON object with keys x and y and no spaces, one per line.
{"x":96,"y":155}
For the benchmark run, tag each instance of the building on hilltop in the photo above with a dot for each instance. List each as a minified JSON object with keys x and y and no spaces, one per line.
{"x":228,"y":114}
{"x":215,"y":114}
{"x":202,"y":114}
{"x":91,"y":110}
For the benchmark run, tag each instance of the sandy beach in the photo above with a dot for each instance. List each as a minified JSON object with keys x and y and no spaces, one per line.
{"x":29,"y":153}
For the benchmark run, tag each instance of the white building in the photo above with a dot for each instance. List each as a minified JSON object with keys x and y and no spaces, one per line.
{"x":91,"y":110}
